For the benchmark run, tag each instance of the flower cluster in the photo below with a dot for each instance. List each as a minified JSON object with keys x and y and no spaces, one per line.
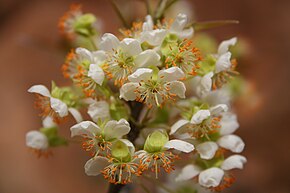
{"x":153,"y":98}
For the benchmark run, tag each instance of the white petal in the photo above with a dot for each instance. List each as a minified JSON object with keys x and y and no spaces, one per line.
{"x":130,"y":46}
{"x":171,"y":74}
{"x":109,"y":42}
{"x":178,"y":88}
{"x":99,"y":56}
{"x":148,"y":24}
{"x":200,"y":116}
{"x":141,"y":74}
{"x":204,"y":86}
{"x":186,"y":33}
{"x":84,"y":53}
{"x":218,"y":109}
{"x":234,"y":161}
{"x":127,"y":91}
{"x":188,"y":172}
{"x":179,"y":23}
{"x":232,"y":142}
{"x":36,"y":140}
{"x":179,"y":124}
{"x":154,"y":37}
{"x":76,"y":114}
{"x":47,"y":122}
{"x":207,"y":150}
{"x":99,"y":110}
{"x":129,"y":144}
{"x":147,"y":58}
{"x":116,"y":129}
{"x":95,"y":165}
{"x":96,"y":73}
{"x":39,"y":89}
{"x":218,"y":96}
{"x":223,"y":62}
{"x":224,"y":46}
{"x":229,"y":123}
{"x":179,"y":145}
{"x":59,"y":107}
{"x":85,"y":129}
{"x":211,"y":177}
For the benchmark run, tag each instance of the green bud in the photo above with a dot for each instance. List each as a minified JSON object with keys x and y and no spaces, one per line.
{"x":83,"y":25}
{"x":121,"y":152}
{"x":156,"y":141}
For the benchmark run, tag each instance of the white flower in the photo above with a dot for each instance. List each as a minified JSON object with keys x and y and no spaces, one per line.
{"x":52,"y":106}
{"x":213,"y":176}
{"x":125,"y":56}
{"x":231,"y":142}
{"x":223,"y":57}
{"x":100,"y":137}
{"x":178,"y":27}
{"x":36,"y":140}
{"x":207,"y":150}
{"x":203,"y":84}
{"x":144,"y":87}
{"x":152,"y":36}
{"x":99,"y":110}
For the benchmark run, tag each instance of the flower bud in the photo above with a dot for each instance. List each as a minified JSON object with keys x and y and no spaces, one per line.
{"x":83,"y":25}
{"x":156,"y":141}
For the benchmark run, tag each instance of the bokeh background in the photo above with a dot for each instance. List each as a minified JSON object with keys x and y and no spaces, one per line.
{"x":31,"y":52}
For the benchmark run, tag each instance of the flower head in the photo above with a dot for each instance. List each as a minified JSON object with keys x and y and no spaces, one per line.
{"x":99,"y":138}
{"x":152,"y":89}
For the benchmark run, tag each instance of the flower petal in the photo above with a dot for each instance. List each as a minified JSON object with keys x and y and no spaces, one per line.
{"x":223,"y":62}
{"x":211,"y":177}
{"x":84,"y":53}
{"x":224,"y":45}
{"x":178,"y":88}
{"x":179,"y":23}
{"x":141,"y":74}
{"x":147,"y":58}
{"x":171,"y":74}
{"x":99,"y":56}
{"x":232,"y":142}
{"x":188,"y":172}
{"x":148,"y":24}
{"x":179,"y":145}
{"x":130,"y":46}
{"x":179,"y":124}
{"x":99,"y":110}
{"x":36,"y":140}
{"x":204,"y":85}
{"x":95,"y":165}
{"x":109,"y":42}
{"x":96,"y":73}
{"x":234,"y":161}
{"x":39,"y":89}
{"x":200,"y":116}
{"x":218,"y":109}
{"x":116,"y":129}
{"x":207,"y":150}
{"x":154,"y":37}
{"x":59,"y":107}
{"x":127,"y":91}
{"x":229,"y":123}
{"x":85,"y":129}
{"x":48,"y":122}
{"x":76,"y":114}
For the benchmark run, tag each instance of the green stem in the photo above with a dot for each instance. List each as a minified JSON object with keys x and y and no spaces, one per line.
{"x":119,"y":13}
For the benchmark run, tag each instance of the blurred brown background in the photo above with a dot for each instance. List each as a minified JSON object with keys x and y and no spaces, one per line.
{"x":31,"y":53}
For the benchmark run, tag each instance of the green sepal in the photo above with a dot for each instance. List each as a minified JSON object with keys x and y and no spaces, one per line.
{"x":84,"y":25}
{"x":65,"y":94}
{"x":57,"y":141}
{"x":206,"y":65}
{"x":121,"y":152}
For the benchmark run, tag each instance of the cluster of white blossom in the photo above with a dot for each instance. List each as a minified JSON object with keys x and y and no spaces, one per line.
{"x":152,"y":97}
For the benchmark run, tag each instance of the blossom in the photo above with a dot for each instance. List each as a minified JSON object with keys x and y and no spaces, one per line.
{"x":51,"y":105}
{"x":124,"y":57}
{"x":84,"y":67}
{"x":119,"y":167}
{"x":98,"y":138}
{"x":178,"y":27}
{"x":213,"y":177}
{"x":155,"y":154}
{"x":152,"y":89}
{"x":99,"y":110}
